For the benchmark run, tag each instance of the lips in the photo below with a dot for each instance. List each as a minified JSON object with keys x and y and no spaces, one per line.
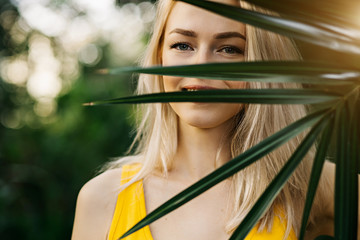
{"x":192,"y":88}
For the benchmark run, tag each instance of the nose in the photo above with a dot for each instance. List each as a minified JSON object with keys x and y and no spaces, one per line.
{"x":203,"y":55}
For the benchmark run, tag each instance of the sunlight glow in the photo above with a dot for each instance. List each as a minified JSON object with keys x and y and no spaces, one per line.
{"x":90,"y":55}
{"x":65,"y":35}
{"x":44,"y":19}
{"x":44,"y":84}
{"x":16,"y":71}
{"x":347,"y":75}
{"x":45,"y":107}
{"x":11,"y":119}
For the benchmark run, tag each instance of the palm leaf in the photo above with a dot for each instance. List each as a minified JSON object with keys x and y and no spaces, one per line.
{"x":323,"y":25}
{"x":346,"y":191}
{"x":322,"y":12}
{"x":278,"y":182}
{"x":356,"y":129}
{"x":272,"y":71}
{"x":315,"y":174}
{"x":230,"y":168}
{"x":353,"y":178}
{"x":285,"y":26}
{"x":264,"y":96}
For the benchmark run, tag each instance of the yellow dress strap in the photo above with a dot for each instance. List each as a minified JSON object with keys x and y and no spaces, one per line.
{"x":277,"y":232}
{"x":130,"y":207}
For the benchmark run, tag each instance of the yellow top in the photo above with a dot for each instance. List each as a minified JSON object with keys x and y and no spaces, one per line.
{"x":130,"y":209}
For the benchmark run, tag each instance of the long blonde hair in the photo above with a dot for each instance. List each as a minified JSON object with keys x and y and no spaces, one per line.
{"x":156,"y":139}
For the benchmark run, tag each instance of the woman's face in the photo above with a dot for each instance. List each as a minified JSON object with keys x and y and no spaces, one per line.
{"x":195,"y":36}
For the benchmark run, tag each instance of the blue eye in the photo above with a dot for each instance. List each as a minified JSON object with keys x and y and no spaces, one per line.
{"x":231,"y":50}
{"x":181,"y":46}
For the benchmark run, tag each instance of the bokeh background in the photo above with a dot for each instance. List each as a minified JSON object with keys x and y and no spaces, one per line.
{"x":50,"y":145}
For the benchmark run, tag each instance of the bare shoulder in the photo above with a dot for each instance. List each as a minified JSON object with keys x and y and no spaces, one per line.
{"x":104,"y":183}
{"x":95,"y":206}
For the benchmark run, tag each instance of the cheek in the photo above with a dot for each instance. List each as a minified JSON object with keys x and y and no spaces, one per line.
{"x":170,"y":83}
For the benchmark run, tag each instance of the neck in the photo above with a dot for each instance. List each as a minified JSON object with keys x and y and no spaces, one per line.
{"x":200,"y":151}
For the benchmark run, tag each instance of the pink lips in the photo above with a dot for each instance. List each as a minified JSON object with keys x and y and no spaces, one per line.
{"x":197,"y":87}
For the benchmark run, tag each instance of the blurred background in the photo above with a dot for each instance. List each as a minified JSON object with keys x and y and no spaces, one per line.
{"x":50,"y":145}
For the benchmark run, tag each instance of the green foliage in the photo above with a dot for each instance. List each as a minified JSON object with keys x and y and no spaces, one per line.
{"x":43,"y":169}
{"x":264,"y":96}
{"x":300,"y":72}
{"x":316,"y":173}
{"x":245,"y":159}
{"x":321,"y":25}
{"x":45,"y":160}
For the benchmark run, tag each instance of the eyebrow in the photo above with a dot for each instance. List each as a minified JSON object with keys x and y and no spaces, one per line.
{"x":223,"y":35}
{"x":187,"y":33}
{"x":229,"y":35}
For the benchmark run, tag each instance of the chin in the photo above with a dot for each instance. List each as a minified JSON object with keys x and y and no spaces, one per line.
{"x":205,"y":115}
{"x":203,"y":125}
{"x":205,"y":122}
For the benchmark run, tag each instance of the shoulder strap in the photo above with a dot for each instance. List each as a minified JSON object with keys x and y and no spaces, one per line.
{"x":130,"y":207}
{"x":128,"y":172}
{"x":277,"y":232}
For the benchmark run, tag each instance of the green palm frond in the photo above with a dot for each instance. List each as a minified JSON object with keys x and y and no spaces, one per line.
{"x":233,"y":166}
{"x":262,"y":96}
{"x":319,"y":23}
{"x":271,"y":71}
{"x":346,"y":186}
{"x":316,"y":173}
{"x":265,"y":200}
{"x":297,"y":29}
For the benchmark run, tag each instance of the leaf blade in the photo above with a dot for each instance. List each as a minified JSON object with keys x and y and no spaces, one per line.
{"x":311,"y":11}
{"x":259,"y":96}
{"x":229,"y":169}
{"x":278,"y":182}
{"x":315,"y":174}
{"x":285,"y":26}
{"x":271,"y":71}
{"x":346,"y":191}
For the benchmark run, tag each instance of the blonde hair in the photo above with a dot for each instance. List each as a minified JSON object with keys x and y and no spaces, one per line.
{"x":156,"y":137}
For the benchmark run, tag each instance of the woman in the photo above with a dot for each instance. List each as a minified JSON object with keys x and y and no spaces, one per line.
{"x":179,"y":143}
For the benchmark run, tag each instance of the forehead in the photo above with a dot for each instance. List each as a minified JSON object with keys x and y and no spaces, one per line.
{"x":190,"y":17}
